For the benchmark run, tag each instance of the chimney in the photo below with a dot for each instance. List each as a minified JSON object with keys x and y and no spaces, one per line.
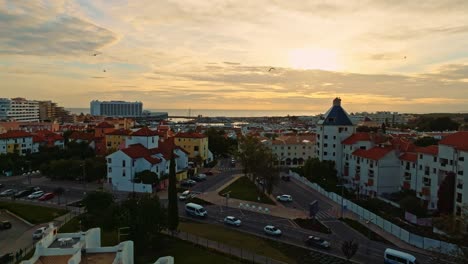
{"x":337,"y":101}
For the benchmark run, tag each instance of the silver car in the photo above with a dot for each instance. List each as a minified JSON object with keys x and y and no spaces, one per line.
{"x":231,"y":220}
{"x":271,"y":230}
{"x":35,"y":195}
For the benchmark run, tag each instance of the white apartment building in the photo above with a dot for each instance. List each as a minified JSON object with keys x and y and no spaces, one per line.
{"x":116,"y":108}
{"x":144,"y":151}
{"x":16,"y":141}
{"x":335,"y":127}
{"x":80,"y":247}
{"x":293,"y":150}
{"x":19,"y":109}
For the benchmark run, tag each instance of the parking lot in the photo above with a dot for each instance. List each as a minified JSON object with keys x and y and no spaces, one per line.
{"x":19,"y":236}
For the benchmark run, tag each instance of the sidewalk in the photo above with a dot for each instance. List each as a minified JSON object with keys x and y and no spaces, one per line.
{"x":275,"y":210}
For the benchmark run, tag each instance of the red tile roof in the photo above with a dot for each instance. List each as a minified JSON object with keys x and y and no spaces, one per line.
{"x":356,"y":137}
{"x":136,"y":151}
{"x":15,"y":134}
{"x":190,"y":135}
{"x":375,"y":153}
{"x":458,"y":140}
{"x":145,"y":132}
{"x":152,"y":160}
{"x":409,"y":156}
{"x":82,"y":136}
{"x":119,"y":132}
{"x":403,"y":144}
{"x":104,"y":125}
{"x":430,"y":150}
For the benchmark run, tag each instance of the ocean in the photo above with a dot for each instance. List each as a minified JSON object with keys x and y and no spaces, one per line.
{"x":216,"y":112}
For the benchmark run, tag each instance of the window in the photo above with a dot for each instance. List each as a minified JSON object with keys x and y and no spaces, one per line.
{"x":123,"y":163}
{"x":325,"y":153}
{"x":459,"y":197}
{"x":318,"y":136}
{"x":333,"y":154}
{"x":420,"y":167}
{"x":420,"y":156}
{"x":109,"y":160}
{"x":461,"y":159}
{"x":195,"y":148}
{"x":334,"y":146}
{"x":325,"y":137}
{"x":123,"y":173}
{"x":362,"y":147}
{"x":435,"y":159}
{"x":434,"y":170}
{"x":110,"y":169}
{"x":325,"y":145}
{"x":460,"y":172}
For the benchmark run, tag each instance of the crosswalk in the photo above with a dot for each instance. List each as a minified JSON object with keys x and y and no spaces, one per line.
{"x":329,"y":214}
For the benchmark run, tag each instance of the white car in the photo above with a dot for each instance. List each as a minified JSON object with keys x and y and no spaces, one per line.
{"x":284,"y":198}
{"x":185,"y":195}
{"x":39,"y":233}
{"x":231,"y":220}
{"x":36,"y":195}
{"x":8,"y":192}
{"x":271,"y":230}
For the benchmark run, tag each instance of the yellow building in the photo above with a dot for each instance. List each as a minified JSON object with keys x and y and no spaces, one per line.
{"x":116,"y":139}
{"x":16,"y":141}
{"x":195,"y":144}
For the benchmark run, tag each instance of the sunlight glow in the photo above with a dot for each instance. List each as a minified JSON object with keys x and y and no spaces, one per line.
{"x":305,"y":59}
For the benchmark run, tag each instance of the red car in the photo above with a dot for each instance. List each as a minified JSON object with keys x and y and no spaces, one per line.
{"x":209,"y":173}
{"x":47,"y":196}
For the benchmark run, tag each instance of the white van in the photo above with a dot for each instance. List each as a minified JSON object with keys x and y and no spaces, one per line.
{"x":392,"y":256}
{"x":195,"y":210}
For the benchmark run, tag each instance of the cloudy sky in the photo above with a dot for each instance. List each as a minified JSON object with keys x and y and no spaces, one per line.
{"x":407,"y":56}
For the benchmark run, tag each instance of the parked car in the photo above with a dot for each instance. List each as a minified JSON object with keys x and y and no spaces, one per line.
{"x":285,"y":178}
{"x":47,"y":196}
{"x":231,"y":220}
{"x":5,"y":225}
{"x":186,"y":195}
{"x":317,"y":242}
{"x":23,"y":193}
{"x":260,"y":181}
{"x":271,"y":230}
{"x":8,"y":192}
{"x":35,"y":195}
{"x":39,"y":233}
{"x":284,"y":198}
{"x":199,"y":177}
{"x":1,"y":185}
{"x":209,"y":173}
{"x":188,"y":183}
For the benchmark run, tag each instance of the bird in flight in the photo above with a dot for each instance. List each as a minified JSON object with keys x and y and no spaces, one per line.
{"x":405,"y":57}
{"x":95,"y":54}
{"x":104,"y":70}
{"x":271,"y":69}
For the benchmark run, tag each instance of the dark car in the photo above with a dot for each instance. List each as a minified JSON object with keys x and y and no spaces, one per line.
{"x":5,"y":225}
{"x":209,"y":173}
{"x":23,"y":193}
{"x":1,"y":185}
{"x":198,"y":178}
{"x":285,"y":177}
{"x":317,"y":242}
{"x":187,"y":183}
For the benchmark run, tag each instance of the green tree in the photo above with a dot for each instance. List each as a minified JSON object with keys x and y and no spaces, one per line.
{"x":426,"y":141}
{"x":250,"y":153}
{"x":349,"y":249}
{"x":267,"y":169}
{"x":173,"y":211}
{"x":147,"y":177}
{"x":446,"y":194}
{"x":96,"y":202}
{"x":413,"y":205}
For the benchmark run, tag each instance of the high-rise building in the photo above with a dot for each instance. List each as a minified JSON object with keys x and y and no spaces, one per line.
{"x":19,"y":109}
{"x":116,"y":108}
{"x":50,"y":111}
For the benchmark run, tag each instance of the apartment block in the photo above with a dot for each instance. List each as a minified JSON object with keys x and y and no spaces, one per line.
{"x":19,"y":109}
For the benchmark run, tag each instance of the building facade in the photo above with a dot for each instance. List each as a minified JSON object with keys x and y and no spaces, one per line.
{"x":293,"y":150}
{"x":116,"y":108}
{"x":50,"y":111}
{"x":19,"y":109}
{"x":196,"y":144}
{"x":16,"y":141}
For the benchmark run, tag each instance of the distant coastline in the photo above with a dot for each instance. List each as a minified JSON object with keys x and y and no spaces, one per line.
{"x":216,"y":112}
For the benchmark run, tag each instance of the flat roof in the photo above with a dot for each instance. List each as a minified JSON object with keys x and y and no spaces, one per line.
{"x":63,"y":259}
{"x":98,"y":258}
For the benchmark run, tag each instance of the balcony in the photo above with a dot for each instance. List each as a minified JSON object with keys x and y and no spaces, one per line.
{"x":370,"y":182}
{"x":357,"y":177}
{"x":406,"y":185}
{"x":460,"y":186}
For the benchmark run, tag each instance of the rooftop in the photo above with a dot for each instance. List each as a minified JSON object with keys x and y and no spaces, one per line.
{"x":458,"y":140}
{"x":375,"y":153}
{"x":430,"y":150}
{"x":336,"y":115}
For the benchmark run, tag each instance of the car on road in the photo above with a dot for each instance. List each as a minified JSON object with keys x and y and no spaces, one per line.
{"x":200,"y":177}
{"x":23,"y":193}
{"x":5,"y":225}
{"x":285,"y":177}
{"x":186,"y":195}
{"x":210,"y":173}
{"x":47,"y":196}
{"x":8,"y":192}
{"x":195,"y":210}
{"x":188,"y":183}
{"x":231,"y":220}
{"x":272,"y":230}
{"x":284,"y":198}
{"x":39,"y":233}
{"x":315,"y":241}
{"x":35,"y":195}
{"x":1,"y":185}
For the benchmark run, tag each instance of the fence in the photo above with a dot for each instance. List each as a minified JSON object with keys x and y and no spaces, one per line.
{"x":386,"y":226}
{"x":223,"y":248}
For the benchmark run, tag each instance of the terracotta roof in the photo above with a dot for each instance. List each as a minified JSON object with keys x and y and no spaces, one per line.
{"x":119,"y":132}
{"x":409,"y":156}
{"x":356,"y":137}
{"x":104,"y":125}
{"x":430,"y":150}
{"x":152,"y":160}
{"x":135,"y":151}
{"x":403,"y":144}
{"x":375,"y":153}
{"x":458,"y":140}
{"x":190,"y":135}
{"x":82,"y":136}
{"x":15,"y":134}
{"x":145,"y":132}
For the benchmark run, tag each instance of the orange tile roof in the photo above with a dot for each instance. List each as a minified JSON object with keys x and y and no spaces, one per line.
{"x":104,"y":125}
{"x":356,"y":137}
{"x":190,"y":135}
{"x":375,"y":153}
{"x":409,"y":156}
{"x":458,"y":140}
{"x":430,"y":150}
{"x":145,"y":132}
{"x":119,"y":132}
{"x":15,"y":134}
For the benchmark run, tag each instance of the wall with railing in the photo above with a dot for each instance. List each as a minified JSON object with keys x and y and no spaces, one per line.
{"x":390,"y":228}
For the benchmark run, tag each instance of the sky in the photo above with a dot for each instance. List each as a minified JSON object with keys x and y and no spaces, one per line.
{"x":406,"y":56}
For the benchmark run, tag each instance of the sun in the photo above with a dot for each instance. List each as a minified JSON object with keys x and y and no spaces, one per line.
{"x":306,"y":59}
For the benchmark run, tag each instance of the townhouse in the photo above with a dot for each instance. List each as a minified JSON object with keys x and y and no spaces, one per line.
{"x":196,"y":144}
{"x":293,"y":149}
{"x":144,"y":150}
{"x":116,"y":139}
{"x":46,"y":138}
{"x":16,"y":141}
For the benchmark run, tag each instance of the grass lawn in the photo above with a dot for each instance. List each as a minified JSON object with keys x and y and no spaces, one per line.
{"x":364,"y":230}
{"x":33,"y":213}
{"x":304,"y":256}
{"x":185,"y":253}
{"x":312,"y":224}
{"x":235,"y":239}
{"x":244,"y":189}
